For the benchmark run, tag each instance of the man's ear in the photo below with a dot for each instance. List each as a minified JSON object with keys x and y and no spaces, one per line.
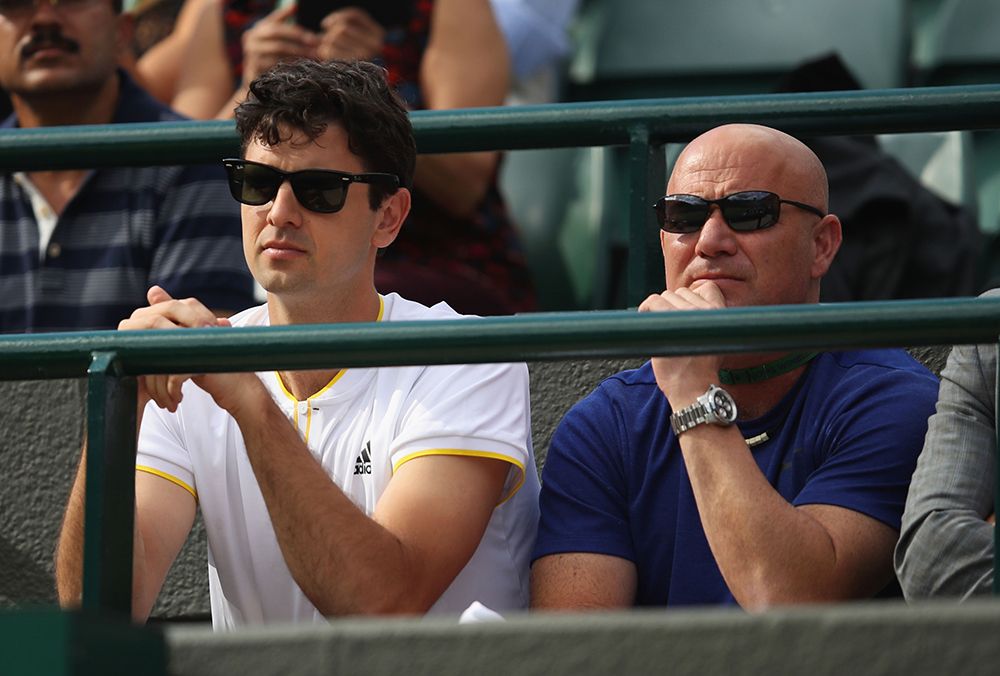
{"x":827,"y":236}
{"x":389,"y":218}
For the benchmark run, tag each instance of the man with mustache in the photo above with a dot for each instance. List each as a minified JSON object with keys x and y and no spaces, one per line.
{"x":79,"y":248}
{"x":756,"y":480}
{"x":331,"y":491}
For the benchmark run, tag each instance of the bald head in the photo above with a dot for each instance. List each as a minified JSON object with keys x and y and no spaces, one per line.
{"x":769,"y":159}
{"x":778,"y":264}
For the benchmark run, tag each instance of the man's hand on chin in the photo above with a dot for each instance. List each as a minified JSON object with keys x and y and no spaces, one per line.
{"x":684,"y":379}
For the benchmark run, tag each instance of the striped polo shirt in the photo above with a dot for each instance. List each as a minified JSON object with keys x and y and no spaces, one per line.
{"x":125,"y":230}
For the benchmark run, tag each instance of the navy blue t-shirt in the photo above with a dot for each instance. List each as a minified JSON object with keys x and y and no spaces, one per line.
{"x":848,"y":434}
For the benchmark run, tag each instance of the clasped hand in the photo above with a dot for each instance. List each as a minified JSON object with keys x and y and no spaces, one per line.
{"x":229,"y":390}
{"x":684,"y":379}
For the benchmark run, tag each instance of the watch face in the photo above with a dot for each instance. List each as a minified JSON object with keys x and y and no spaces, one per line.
{"x":723,"y":405}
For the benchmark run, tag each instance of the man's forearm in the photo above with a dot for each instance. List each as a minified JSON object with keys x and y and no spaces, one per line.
{"x":69,"y":550}
{"x":768,"y":551}
{"x":457,"y":182}
{"x":343,"y":560}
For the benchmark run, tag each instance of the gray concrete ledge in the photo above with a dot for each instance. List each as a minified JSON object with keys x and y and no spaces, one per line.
{"x":842,"y":640}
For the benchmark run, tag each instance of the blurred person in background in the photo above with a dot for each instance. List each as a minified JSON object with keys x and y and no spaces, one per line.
{"x":79,"y":248}
{"x":901,"y":240}
{"x":459,"y":244}
{"x":537,"y":37}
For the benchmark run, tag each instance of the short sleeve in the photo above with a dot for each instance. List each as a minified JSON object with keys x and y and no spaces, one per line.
{"x":161,"y":450}
{"x":873,"y":432}
{"x":476,"y":410}
{"x":199,"y":248}
{"x":584,"y":497}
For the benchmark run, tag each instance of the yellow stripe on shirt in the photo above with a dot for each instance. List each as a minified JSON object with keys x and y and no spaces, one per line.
{"x":168,"y":477}
{"x":469,"y":454}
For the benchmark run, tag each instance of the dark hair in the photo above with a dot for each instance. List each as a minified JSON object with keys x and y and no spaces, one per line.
{"x":306,"y":96}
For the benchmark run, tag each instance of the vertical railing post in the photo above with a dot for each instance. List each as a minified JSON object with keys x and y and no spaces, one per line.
{"x":110,"y":487}
{"x":647,"y":177}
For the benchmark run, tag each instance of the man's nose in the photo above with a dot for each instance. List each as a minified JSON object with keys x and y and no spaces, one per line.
{"x":285,"y":209}
{"x":44,"y":11}
{"x":716,"y":238}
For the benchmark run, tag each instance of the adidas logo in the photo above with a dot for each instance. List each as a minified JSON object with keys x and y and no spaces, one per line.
{"x":363,"y":463}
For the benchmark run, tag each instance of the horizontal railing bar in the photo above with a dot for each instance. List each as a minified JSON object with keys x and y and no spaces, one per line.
{"x":602,"y":123}
{"x":530,"y":337}
{"x":606,"y":123}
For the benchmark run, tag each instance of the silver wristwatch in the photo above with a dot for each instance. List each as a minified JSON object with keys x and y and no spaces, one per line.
{"x":716,"y":407}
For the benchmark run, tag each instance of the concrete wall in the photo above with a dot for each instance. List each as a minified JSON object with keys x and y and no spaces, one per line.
{"x":853,"y":639}
{"x":42,"y":427}
{"x":41,"y":423}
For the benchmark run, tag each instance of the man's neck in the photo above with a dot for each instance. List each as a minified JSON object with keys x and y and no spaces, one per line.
{"x":84,"y":106}
{"x":333,"y":308}
{"x":93,"y":106}
{"x":755,"y":399}
{"x":360,"y":307}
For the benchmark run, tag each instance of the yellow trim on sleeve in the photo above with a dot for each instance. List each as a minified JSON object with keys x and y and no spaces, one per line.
{"x":168,"y":477}
{"x":468,"y":454}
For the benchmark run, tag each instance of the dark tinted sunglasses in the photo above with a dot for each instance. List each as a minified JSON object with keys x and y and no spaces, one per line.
{"x":743,"y":211}
{"x":320,"y":190}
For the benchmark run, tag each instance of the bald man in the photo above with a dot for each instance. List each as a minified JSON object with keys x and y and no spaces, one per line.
{"x":760,"y":479}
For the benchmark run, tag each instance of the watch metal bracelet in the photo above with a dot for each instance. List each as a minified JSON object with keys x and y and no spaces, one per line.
{"x":716,"y":406}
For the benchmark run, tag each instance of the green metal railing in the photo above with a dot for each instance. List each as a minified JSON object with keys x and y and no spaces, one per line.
{"x":643,"y":126}
{"x":112,"y":360}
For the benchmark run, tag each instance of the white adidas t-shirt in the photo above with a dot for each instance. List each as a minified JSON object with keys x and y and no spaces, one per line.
{"x":360,"y":427}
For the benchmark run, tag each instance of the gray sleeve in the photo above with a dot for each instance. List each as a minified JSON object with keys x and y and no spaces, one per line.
{"x":946,"y":544}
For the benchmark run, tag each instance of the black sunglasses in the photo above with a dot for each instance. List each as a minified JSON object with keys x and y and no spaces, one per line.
{"x":320,"y":190}
{"x":743,"y":211}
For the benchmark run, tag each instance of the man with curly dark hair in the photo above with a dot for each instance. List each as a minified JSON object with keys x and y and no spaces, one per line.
{"x":330,"y":491}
